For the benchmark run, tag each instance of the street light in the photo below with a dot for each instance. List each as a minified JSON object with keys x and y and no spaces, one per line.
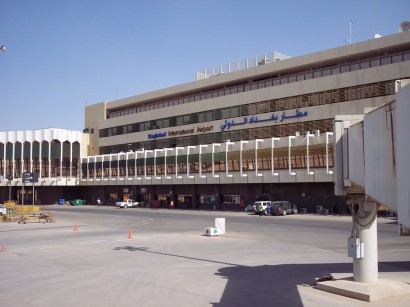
{"x":9,"y":178}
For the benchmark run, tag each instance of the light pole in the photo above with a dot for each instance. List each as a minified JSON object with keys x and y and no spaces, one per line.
{"x":9,"y":178}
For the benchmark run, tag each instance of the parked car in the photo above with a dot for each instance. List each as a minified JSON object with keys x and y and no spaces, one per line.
{"x":127,"y":203}
{"x":264,"y":204}
{"x":283,"y":208}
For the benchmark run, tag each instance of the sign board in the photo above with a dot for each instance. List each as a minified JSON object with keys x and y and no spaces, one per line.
{"x":29,"y":177}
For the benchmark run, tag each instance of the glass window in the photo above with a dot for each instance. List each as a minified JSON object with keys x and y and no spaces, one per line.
{"x":375,"y":62}
{"x":187,"y":119}
{"x":364,"y":65}
{"x":345,"y":68}
{"x":335,"y":70}
{"x":225,"y":113}
{"x":308,"y":75}
{"x":292,"y":79}
{"x":326,"y":72}
{"x":179,"y":121}
{"x":209,"y":116}
{"x":261,"y":84}
{"x":386,"y":61}
{"x":317,"y":74}
{"x":354,"y":67}
{"x":397,"y":58}
{"x":235,"y":112}
{"x":284,"y":80}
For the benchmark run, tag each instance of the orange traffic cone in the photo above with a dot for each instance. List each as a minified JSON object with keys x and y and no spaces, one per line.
{"x":75,"y":227}
{"x":4,"y":249}
{"x":129,"y":233}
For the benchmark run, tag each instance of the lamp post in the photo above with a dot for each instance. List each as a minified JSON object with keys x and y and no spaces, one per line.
{"x":9,"y":178}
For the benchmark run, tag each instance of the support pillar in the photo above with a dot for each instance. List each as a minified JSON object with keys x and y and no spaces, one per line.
{"x":365,"y":269}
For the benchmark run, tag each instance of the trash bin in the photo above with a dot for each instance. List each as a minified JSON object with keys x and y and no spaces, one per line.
{"x":77,"y":202}
{"x":61,"y":201}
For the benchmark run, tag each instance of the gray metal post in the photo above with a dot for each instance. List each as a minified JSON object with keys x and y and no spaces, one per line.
{"x":365,"y":269}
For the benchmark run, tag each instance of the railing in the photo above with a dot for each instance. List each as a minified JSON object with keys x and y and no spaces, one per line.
{"x":240,"y":65}
{"x":310,"y":151}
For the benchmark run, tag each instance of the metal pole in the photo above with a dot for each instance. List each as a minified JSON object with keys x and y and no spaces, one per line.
{"x":365,"y":269}
{"x":10,"y":189}
{"x":22,"y":194}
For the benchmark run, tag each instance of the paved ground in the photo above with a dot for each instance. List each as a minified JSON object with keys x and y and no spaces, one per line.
{"x":101,"y":264}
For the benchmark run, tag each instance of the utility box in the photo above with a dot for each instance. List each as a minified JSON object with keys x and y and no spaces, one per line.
{"x":355,"y":248}
{"x":220,"y":225}
{"x":211,"y":231}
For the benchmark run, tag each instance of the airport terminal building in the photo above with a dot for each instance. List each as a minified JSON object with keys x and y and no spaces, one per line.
{"x":261,"y":128}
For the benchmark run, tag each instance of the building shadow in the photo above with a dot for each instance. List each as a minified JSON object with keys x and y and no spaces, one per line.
{"x":271,"y":285}
{"x":277,"y":285}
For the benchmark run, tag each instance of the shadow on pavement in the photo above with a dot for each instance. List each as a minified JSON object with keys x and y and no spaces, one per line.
{"x":272,"y":285}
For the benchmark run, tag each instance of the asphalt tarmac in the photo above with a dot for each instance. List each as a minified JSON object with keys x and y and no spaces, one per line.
{"x":141,"y":257}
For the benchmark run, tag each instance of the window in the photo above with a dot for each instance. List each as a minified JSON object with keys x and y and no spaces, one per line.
{"x":225,"y":113}
{"x":386,"y":61}
{"x":397,"y":58}
{"x":231,"y":199}
{"x":179,"y":121}
{"x":354,"y":67}
{"x":209,"y":116}
{"x":235,"y":112}
{"x":345,"y":68}
{"x":207,"y":199}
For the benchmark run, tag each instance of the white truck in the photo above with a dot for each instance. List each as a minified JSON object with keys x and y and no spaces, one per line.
{"x":127,"y":203}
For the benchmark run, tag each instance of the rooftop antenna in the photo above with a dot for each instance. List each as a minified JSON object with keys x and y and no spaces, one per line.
{"x":350,"y":32}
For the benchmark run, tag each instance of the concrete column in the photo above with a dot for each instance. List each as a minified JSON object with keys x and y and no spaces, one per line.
{"x":365,"y":269}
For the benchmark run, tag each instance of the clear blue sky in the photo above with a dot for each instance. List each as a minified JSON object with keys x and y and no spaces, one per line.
{"x":63,"y":54}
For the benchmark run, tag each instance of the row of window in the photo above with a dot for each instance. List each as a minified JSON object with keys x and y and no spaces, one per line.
{"x":45,"y":167}
{"x":39,"y":157}
{"x":274,"y":105}
{"x":220,"y":137}
{"x":54,"y":149}
{"x":272,"y":81}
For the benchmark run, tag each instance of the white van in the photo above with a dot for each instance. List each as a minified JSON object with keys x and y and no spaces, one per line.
{"x":264,"y":204}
